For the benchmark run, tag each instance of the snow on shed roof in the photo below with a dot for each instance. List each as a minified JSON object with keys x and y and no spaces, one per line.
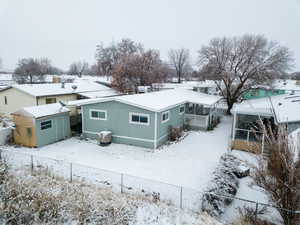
{"x":42,"y":110}
{"x":57,"y":89}
{"x":158,"y":101}
{"x":286,"y":108}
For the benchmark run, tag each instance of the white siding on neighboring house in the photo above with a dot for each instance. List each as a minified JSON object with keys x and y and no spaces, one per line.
{"x":15,"y":100}
{"x":63,"y":98}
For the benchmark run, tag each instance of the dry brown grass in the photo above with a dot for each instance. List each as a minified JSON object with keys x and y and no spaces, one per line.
{"x":44,"y":199}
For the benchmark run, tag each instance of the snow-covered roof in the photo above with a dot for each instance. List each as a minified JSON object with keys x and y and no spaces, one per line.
{"x":158,"y":101}
{"x":286,"y":108}
{"x":5,"y":76}
{"x":288,"y":85}
{"x":100,"y":94}
{"x":185,"y":84}
{"x":42,"y":110}
{"x":103,"y":78}
{"x":57,"y":89}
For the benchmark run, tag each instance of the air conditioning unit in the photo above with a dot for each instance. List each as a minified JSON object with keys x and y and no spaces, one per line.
{"x":104,"y":138}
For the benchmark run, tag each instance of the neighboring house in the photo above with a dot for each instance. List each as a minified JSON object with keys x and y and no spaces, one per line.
{"x":206,"y":86}
{"x":144,"y":89}
{"x":18,"y":96}
{"x":6,"y":79}
{"x":279,"y":87}
{"x":145,"y":119}
{"x":289,"y":86}
{"x":262,"y":92}
{"x":37,"y":126}
{"x":281,"y":109}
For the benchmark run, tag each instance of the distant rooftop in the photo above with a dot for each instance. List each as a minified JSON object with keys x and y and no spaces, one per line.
{"x":185,"y":84}
{"x":69,"y":88}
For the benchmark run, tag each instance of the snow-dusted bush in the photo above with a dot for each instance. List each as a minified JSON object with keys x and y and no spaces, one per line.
{"x":42,"y":199}
{"x":249,"y":216}
{"x":224,"y":183}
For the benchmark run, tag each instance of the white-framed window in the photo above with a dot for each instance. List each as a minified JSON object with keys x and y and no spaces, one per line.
{"x":165,"y":116}
{"x":139,"y":118}
{"x":181,"y":109}
{"x":96,"y":114}
{"x":46,"y":124}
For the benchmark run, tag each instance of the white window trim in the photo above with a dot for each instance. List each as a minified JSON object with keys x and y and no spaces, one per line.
{"x":162,"y":116}
{"x":139,"y":114}
{"x":98,"y":110}
{"x":183,"y":106}
{"x":43,"y":121}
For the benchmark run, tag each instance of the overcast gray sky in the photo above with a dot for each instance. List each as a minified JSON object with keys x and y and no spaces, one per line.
{"x":68,"y":30}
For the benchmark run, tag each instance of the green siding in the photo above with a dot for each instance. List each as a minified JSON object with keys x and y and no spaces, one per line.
{"x":176,"y":120}
{"x":59,"y":130}
{"x":261,"y":93}
{"x":118,"y":123}
{"x":126,"y":133}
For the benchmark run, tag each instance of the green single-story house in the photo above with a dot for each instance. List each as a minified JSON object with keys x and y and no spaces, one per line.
{"x":262,"y":92}
{"x":37,"y":126}
{"x":145,"y":119}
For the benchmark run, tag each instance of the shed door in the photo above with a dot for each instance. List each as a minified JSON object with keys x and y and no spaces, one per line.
{"x":60,"y":131}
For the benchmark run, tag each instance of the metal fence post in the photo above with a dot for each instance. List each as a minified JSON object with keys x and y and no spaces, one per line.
{"x":0,"y":154}
{"x":248,"y":135}
{"x":122,"y":180}
{"x":181,"y":205}
{"x":31,"y":163}
{"x":71,"y":172}
{"x":256,"y":211}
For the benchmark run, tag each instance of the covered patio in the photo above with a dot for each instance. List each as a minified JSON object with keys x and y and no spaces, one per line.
{"x":246,"y":127}
{"x":201,"y":116}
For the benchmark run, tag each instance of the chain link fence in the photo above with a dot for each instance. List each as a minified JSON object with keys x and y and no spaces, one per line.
{"x":179,"y":196}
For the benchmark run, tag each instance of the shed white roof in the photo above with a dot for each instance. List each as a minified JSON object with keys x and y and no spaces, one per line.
{"x":158,"y":101}
{"x":42,"y":110}
{"x":286,"y":108}
{"x":56,"y":88}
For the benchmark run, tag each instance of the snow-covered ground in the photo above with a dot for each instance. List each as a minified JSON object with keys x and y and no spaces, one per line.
{"x":188,"y":163}
{"x":248,"y":190}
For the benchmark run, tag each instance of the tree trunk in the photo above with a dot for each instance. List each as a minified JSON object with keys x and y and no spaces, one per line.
{"x":229,"y":105}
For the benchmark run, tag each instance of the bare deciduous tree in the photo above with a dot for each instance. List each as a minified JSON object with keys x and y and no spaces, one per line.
{"x":236,"y":64}
{"x":279,"y":174}
{"x":108,"y":57}
{"x":78,"y":68}
{"x":139,"y":69}
{"x":30,"y":70}
{"x":180,"y":60}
